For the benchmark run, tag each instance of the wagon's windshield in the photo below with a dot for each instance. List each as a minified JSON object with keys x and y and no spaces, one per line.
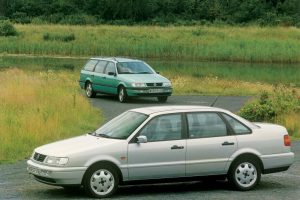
{"x":134,"y":68}
{"x":122,"y":126}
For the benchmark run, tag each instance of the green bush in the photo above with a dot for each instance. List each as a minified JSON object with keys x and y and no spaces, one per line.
{"x":259,"y":110}
{"x":20,"y":17}
{"x":7,"y":28}
{"x":271,"y":107}
{"x":78,"y":19}
{"x":59,"y":37}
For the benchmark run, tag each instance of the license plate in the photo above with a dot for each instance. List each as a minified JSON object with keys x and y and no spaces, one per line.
{"x":156,"y":90}
{"x":34,"y":170}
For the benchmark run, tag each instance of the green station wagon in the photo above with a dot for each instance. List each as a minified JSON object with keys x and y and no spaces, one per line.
{"x":123,"y":77}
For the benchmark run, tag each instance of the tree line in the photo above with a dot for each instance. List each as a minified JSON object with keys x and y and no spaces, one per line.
{"x":264,"y":12}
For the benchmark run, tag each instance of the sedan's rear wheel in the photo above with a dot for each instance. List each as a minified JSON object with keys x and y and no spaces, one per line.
{"x":101,"y":181}
{"x":89,"y":90}
{"x":244,"y":174}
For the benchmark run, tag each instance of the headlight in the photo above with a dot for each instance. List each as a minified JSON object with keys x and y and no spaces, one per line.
{"x":167,"y":84}
{"x":138,"y":84}
{"x":51,"y":160}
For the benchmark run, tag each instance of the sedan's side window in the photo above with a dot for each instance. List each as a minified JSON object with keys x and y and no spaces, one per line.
{"x":110,"y":68}
{"x":237,"y":126}
{"x":163,"y":128}
{"x":100,"y":66}
{"x":90,"y":65}
{"x":206,"y":124}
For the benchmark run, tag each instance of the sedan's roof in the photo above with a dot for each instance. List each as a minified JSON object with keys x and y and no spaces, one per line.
{"x":116,"y":59}
{"x":173,"y":109}
{"x":161,"y":109}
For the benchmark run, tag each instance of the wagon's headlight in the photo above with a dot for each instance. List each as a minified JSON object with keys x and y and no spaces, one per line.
{"x":167,"y":84}
{"x":138,"y":84}
{"x":51,"y":160}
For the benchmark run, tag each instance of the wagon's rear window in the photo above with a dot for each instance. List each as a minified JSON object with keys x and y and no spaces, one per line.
{"x":90,"y":65}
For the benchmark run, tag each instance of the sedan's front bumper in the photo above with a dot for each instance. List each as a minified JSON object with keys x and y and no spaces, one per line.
{"x":56,"y":175}
{"x":149,"y":91}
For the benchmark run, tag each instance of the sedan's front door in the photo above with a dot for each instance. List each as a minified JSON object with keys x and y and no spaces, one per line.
{"x":209,"y":146}
{"x":163,"y":156}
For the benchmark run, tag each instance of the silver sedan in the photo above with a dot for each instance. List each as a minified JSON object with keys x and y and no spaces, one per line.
{"x":166,"y":142}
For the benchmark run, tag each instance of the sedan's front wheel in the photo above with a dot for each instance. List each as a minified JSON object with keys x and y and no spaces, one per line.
{"x":244,"y":174}
{"x":101,"y":181}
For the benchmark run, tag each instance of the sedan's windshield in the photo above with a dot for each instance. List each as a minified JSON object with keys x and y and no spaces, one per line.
{"x":134,"y":68}
{"x":122,"y":126}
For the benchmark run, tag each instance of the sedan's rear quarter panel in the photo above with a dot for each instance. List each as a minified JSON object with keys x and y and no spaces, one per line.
{"x":267,"y":143}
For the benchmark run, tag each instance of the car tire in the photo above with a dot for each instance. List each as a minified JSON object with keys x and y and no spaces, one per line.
{"x":122,"y":94}
{"x":162,"y":99}
{"x":101,"y":181}
{"x":244,"y":174}
{"x":90,"y":93}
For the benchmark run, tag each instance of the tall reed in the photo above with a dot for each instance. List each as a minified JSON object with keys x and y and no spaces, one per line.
{"x":40,"y":107}
{"x":242,"y":44}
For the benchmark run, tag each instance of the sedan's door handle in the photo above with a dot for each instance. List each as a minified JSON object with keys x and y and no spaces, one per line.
{"x":177,"y":147}
{"x":227,"y":143}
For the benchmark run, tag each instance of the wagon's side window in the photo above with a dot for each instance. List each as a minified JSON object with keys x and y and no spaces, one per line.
{"x":90,"y":65}
{"x":237,"y":126}
{"x":206,"y":124}
{"x":110,"y":68}
{"x":100,"y":66}
{"x":163,"y":128}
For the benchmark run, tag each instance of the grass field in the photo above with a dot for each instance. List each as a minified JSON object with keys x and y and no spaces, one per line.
{"x":243,"y":44}
{"x":255,"y":73}
{"x":40,"y":107}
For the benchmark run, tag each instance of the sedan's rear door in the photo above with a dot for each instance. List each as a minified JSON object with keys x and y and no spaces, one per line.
{"x":210,"y":144}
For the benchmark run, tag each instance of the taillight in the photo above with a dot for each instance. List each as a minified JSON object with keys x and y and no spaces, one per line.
{"x":287,"y":140}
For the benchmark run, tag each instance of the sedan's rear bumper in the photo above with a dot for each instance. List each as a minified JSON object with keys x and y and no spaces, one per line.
{"x":277,"y":162}
{"x":56,"y":175}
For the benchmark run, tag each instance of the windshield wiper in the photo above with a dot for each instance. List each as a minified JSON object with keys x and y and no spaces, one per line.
{"x":103,"y":135}
{"x":126,"y":73}
{"x":144,"y":73}
{"x":92,"y":133}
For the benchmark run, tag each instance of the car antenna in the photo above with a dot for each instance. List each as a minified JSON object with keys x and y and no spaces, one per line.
{"x":216,"y":99}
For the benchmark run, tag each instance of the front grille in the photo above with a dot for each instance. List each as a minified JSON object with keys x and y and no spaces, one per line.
{"x":39,"y":157}
{"x":154,"y":84}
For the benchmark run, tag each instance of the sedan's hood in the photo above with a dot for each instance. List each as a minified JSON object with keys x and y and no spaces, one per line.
{"x":143,"y":78}
{"x":73,"y":145}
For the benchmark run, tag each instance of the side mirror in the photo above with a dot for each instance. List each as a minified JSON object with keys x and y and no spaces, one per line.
{"x":141,"y":139}
{"x":111,"y":73}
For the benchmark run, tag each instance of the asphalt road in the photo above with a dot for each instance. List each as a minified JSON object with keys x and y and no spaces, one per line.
{"x":15,"y":183}
{"x":111,"y":106}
